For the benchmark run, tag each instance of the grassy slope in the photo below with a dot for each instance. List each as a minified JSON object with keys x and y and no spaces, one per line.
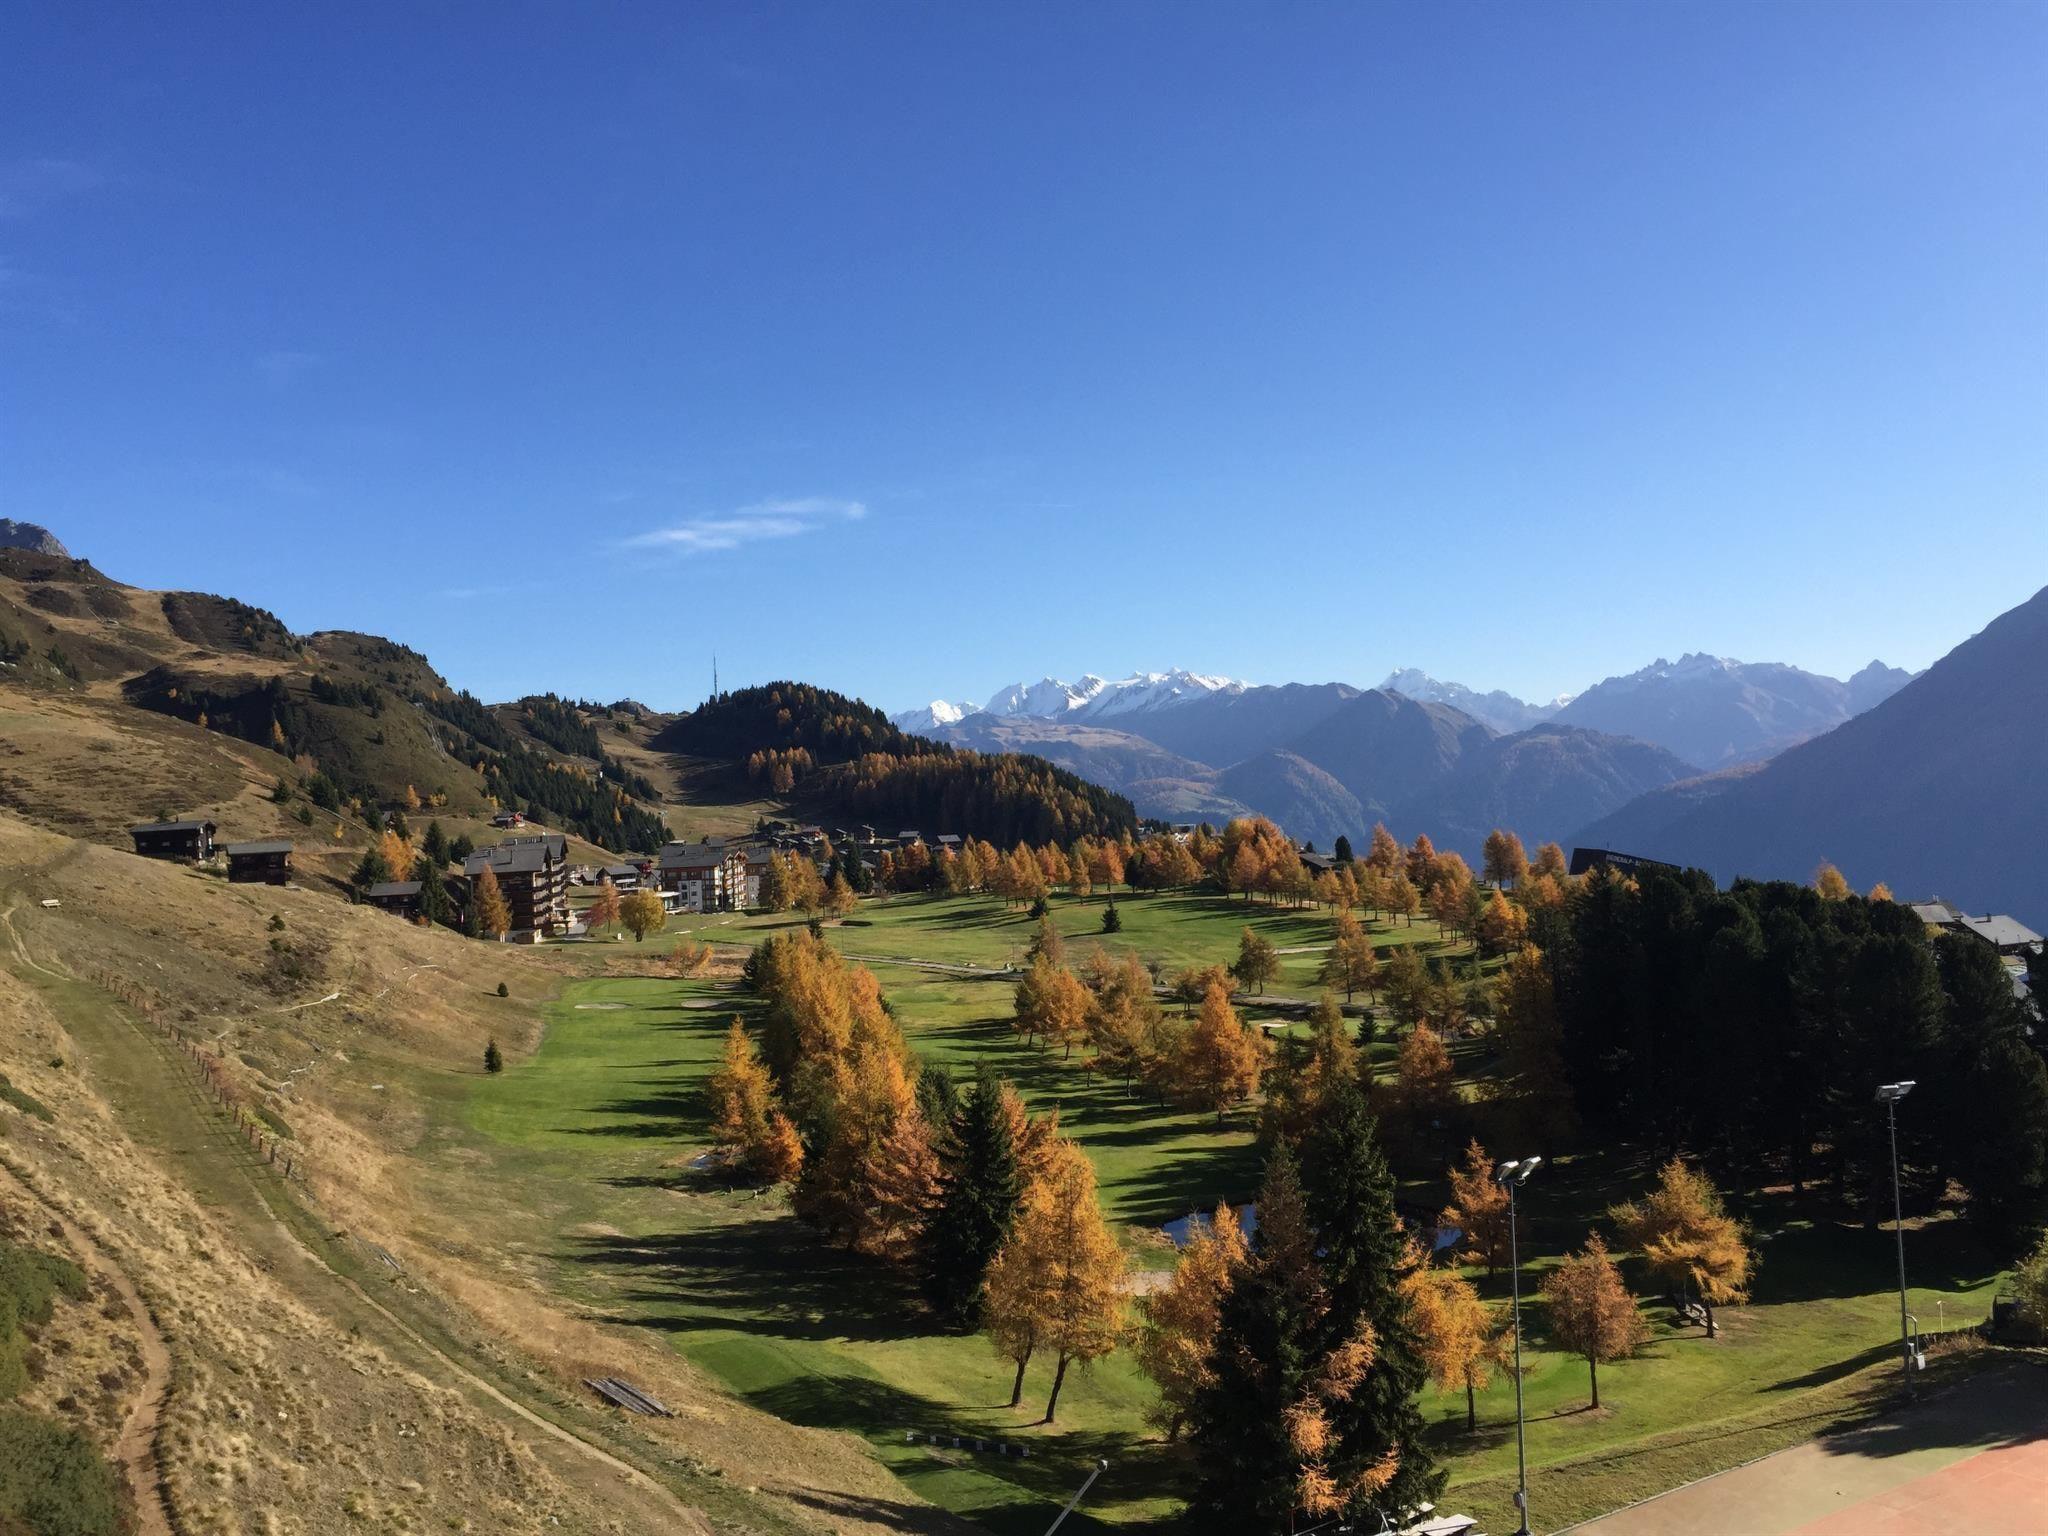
{"x":590,"y":1135}
{"x":357,"y":1081}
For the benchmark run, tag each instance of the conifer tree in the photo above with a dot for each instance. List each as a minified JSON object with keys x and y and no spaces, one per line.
{"x":1177,"y":1339}
{"x":1221,"y":1061}
{"x":1505,"y":861}
{"x":494,"y":1059}
{"x":1684,"y":1233}
{"x":1351,"y":966}
{"x":435,"y":907}
{"x":372,"y":869}
{"x":1591,"y":1312}
{"x":1457,"y":1337}
{"x":1830,"y":883}
{"x":1349,"y":1192}
{"x":1046,"y":943}
{"x":1479,"y":1208}
{"x":977,"y":1203}
{"x":1258,"y":962}
{"x":1285,"y":1371}
{"x":603,"y":910}
{"x":1057,"y":1283}
{"x":489,"y":914}
{"x":435,"y":845}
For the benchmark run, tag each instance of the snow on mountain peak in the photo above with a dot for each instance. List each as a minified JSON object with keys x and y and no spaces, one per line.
{"x":1090,"y":696}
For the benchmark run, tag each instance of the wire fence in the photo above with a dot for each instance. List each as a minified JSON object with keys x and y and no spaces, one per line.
{"x":208,"y":1058}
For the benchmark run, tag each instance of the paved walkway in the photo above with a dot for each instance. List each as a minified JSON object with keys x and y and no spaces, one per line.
{"x":1975,"y":1459}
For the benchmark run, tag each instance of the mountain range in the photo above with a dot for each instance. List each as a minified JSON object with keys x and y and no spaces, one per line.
{"x":1328,"y":759}
{"x":1711,"y":711}
{"x":1935,"y":790}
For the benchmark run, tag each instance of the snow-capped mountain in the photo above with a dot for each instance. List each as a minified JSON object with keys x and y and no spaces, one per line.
{"x":929,"y":717}
{"x":1717,"y":712}
{"x":1503,"y":711}
{"x":1086,"y":698}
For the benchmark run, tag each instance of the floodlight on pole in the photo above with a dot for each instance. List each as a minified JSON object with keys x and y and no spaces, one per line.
{"x":1889,"y":1094}
{"x":1511,"y":1176}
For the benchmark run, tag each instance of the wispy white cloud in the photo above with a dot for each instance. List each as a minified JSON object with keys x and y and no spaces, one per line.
{"x":31,"y":183}
{"x":763,"y":520}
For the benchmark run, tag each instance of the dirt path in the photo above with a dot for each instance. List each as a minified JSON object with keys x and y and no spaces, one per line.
{"x":677,"y":1515}
{"x":134,"y":1448}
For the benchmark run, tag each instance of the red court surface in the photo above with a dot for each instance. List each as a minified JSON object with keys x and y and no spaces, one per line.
{"x":1971,"y":1459}
{"x":2005,"y":1489}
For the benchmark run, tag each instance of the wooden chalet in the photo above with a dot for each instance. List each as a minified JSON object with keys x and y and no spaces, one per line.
{"x":190,"y":841}
{"x":401,"y":898}
{"x":262,"y":863}
{"x":533,"y":874}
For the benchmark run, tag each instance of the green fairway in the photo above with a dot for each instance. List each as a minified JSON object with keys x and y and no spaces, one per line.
{"x":1176,"y":929}
{"x":584,"y":1149}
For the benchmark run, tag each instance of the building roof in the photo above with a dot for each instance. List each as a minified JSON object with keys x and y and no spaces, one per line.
{"x":394,"y":888}
{"x":1937,"y":913}
{"x":694,"y":855}
{"x":171,"y":826}
{"x":555,"y":842}
{"x":616,"y":870}
{"x":518,"y":856}
{"x":267,"y":845}
{"x":2002,"y":931}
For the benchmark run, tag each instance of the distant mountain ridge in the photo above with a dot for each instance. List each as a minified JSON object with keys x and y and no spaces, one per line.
{"x":33,"y":537}
{"x":1718,"y":712}
{"x":1937,"y":790}
{"x":1501,"y":710}
{"x":1712,"y":711}
{"x":1326,"y":760}
{"x":1087,"y":698}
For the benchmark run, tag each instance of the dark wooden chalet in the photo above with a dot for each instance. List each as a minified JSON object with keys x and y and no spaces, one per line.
{"x":401,"y":898}
{"x":533,"y":874}
{"x":264,"y":863}
{"x":187,"y":840}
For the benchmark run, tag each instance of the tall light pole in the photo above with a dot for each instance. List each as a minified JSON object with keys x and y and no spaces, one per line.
{"x":1512,"y":1176}
{"x":1889,"y":1096}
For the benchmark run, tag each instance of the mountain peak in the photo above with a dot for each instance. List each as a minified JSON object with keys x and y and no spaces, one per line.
{"x":33,"y":537}
{"x":1499,"y":709}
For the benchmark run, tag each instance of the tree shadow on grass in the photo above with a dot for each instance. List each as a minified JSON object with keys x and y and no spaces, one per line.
{"x":1995,"y":1411}
{"x":675,"y":1114}
{"x":772,"y":1277}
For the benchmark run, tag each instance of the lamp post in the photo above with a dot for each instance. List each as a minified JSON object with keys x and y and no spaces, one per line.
{"x":1511,"y":1176}
{"x":1889,"y":1095}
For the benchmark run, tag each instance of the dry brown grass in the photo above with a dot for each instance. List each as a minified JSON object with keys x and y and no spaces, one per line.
{"x":279,"y":1406}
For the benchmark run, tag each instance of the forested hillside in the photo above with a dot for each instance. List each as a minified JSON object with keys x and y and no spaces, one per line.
{"x":840,"y":756}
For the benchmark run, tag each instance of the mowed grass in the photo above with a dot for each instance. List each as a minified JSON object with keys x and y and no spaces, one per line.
{"x":1175,"y":929}
{"x":581,"y":1152}
{"x":589,"y":1142}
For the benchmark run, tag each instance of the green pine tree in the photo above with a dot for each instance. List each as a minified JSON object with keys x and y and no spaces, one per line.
{"x":435,"y":906}
{"x":494,"y":1059}
{"x":372,"y":870}
{"x":1264,"y":1351}
{"x":435,"y":845}
{"x":1350,"y":1196}
{"x":977,"y":1202}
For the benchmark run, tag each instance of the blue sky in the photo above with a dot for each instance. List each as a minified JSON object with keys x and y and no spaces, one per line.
{"x":918,"y":349}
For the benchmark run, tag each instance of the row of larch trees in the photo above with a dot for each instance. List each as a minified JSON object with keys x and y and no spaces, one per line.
{"x":993,"y":1211}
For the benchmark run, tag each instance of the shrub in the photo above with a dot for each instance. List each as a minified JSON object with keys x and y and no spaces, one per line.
{"x":503,"y":990}
{"x":52,"y":1481}
{"x":494,"y":1059}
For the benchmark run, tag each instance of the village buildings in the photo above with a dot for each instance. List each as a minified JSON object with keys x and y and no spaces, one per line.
{"x":533,"y":875}
{"x":190,"y":841}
